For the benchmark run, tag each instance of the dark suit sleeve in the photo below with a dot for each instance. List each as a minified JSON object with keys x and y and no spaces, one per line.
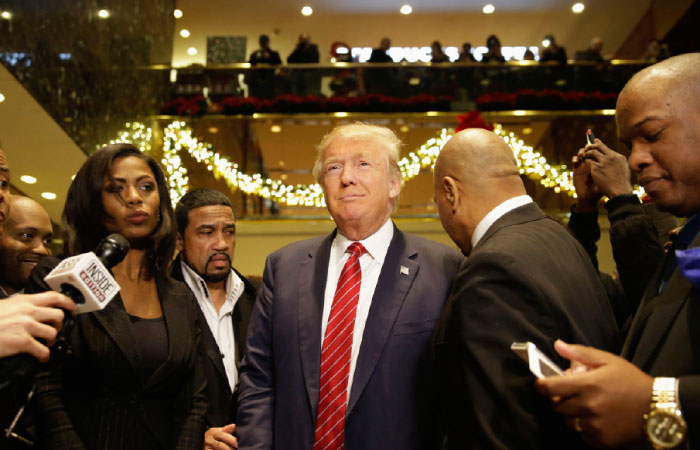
{"x":494,"y":304}
{"x":585,"y":228}
{"x":191,"y":435}
{"x":256,"y":396}
{"x":689,"y":393}
{"x":635,"y":245}
{"x":54,"y":427}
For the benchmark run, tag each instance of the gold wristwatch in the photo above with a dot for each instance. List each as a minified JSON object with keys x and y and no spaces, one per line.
{"x":664,"y":425}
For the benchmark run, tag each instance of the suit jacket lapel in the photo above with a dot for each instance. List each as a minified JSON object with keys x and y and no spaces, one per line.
{"x":212,"y":348}
{"x":115,"y":320}
{"x":670,"y":302}
{"x":389,"y":295}
{"x":313,"y":272}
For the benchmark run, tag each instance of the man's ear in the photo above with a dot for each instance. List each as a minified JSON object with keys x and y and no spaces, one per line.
{"x":179,"y":242}
{"x":449,"y":185}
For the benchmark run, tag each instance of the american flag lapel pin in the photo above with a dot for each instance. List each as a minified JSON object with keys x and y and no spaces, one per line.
{"x":403,"y":270}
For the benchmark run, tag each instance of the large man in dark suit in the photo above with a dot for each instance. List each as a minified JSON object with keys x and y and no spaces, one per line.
{"x":654,"y":388}
{"x":526,"y":279}
{"x":308,"y":382}
{"x":206,"y":240}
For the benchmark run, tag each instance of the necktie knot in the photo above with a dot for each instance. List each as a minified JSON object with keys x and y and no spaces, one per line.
{"x":356,"y":249}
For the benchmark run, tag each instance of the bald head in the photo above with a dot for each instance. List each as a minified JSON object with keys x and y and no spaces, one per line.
{"x":677,"y":74}
{"x":658,"y":119}
{"x":477,"y":157}
{"x":475,"y":172}
{"x":23,"y":243}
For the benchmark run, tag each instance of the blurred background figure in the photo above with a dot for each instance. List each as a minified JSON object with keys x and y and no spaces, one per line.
{"x":466,"y":54}
{"x":528,"y":55}
{"x":438,"y":56}
{"x":304,"y":82}
{"x":262,"y":82}
{"x":380,"y":54}
{"x":551,"y":51}
{"x":344,"y":80}
{"x":494,"y":50}
{"x":593,"y":52}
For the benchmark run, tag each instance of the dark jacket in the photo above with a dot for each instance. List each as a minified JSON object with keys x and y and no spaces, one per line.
{"x":221,"y":402}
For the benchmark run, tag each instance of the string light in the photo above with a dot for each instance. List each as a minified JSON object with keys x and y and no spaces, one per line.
{"x":178,"y":137}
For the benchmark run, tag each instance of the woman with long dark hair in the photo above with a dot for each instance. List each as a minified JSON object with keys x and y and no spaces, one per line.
{"x":131,"y":380}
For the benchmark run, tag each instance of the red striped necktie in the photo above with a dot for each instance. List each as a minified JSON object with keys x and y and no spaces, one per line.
{"x":335,"y":355}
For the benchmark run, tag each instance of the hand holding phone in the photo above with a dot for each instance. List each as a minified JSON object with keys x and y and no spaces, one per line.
{"x":540,"y":365}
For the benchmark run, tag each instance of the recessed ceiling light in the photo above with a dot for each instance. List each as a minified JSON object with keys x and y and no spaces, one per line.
{"x":177,"y":13}
{"x":28,"y":179}
{"x":283,"y":177}
{"x":2,"y":98}
{"x":7,"y":15}
{"x":406,"y":9}
{"x":72,"y":177}
{"x":103,"y":13}
{"x":307,"y":11}
{"x":546,"y":42}
{"x":527,"y":130}
{"x":275,"y":128}
{"x":191,"y":51}
{"x":48,"y":195}
{"x":213,"y":130}
{"x":185,"y":33}
{"x":404,"y":128}
{"x":488,"y":9}
{"x":578,"y":8}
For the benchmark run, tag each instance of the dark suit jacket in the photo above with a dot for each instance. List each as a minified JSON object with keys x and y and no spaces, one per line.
{"x":391,"y":404}
{"x":97,"y":397}
{"x":664,"y":340}
{"x":527,"y":279}
{"x":221,"y":402}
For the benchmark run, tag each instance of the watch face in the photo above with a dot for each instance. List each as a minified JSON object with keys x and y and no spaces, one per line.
{"x":665,"y":429}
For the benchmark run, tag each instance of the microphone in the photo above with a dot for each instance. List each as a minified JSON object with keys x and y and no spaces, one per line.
{"x":86,"y":278}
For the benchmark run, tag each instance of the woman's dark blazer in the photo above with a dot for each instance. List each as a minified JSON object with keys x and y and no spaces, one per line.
{"x":97,"y":397}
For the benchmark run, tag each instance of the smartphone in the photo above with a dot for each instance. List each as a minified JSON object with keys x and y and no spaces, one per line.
{"x":540,"y":365}
{"x":590,"y":137}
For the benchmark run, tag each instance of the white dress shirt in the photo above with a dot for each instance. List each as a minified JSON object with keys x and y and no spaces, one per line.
{"x":220,"y":323}
{"x":496,"y":213}
{"x":371,"y":263}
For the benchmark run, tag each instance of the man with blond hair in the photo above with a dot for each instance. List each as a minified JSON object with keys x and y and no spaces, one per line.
{"x":337,"y":344}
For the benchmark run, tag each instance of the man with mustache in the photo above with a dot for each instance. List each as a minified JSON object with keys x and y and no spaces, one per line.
{"x":206,"y":239}
{"x":651,"y":392}
{"x":23,"y":243}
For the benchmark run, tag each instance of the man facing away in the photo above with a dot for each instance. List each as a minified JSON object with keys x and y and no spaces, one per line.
{"x":24,"y":242}
{"x":337,"y":345}
{"x":651,"y":394}
{"x":206,"y":240}
{"x":526,"y":280}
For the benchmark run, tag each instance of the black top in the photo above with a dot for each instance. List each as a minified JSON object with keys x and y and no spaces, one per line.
{"x":152,"y":337}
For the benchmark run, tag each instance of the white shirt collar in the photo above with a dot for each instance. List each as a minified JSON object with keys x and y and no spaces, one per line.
{"x":234,"y":286}
{"x":496,"y":213}
{"x":377,"y":244}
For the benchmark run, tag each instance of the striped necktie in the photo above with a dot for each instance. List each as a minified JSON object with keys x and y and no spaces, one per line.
{"x":335,"y":355}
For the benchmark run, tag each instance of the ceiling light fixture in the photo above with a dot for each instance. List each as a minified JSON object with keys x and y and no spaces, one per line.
{"x":28,"y":179}
{"x":191,"y":51}
{"x":275,"y":128}
{"x":177,"y":13}
{"x":578,"y":8}
{"x":489,"y":9}
{"x":185,"y":33}
{"x":527,"y":130}
{"x":48,"y":195}
{"x":307,"y":11}
{"x":2,"y":98}
{"x":7,"y":15}
{"x":213,"y":130}
{"x":406,"y":9}
{"x":103,"y":14}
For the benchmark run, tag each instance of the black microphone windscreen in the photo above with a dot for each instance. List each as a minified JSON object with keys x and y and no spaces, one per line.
{"x":112,"y":250}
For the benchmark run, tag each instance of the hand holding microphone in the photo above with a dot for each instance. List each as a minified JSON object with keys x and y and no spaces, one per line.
{"x":24,"y":318}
